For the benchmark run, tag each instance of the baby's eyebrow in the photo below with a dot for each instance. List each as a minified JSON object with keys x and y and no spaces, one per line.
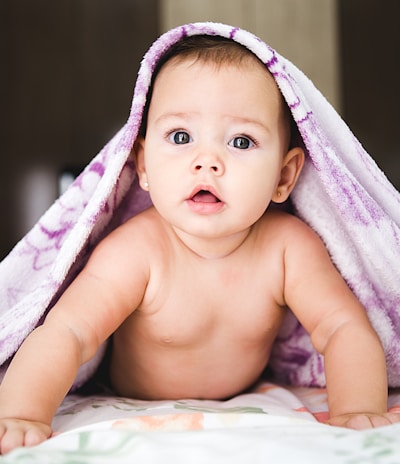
{"x":186,"y":115}
{"x":250,"y":121}
{"x":174,"y":115}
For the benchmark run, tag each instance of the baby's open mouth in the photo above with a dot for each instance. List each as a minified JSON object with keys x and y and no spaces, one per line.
{"x":204,"y":201}
{"x":204,"y":196}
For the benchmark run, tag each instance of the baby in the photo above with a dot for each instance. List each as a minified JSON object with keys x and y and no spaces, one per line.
{"x":194,"y":289}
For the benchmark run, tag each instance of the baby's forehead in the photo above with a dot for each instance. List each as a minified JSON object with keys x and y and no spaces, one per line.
{"x":248,"y":64}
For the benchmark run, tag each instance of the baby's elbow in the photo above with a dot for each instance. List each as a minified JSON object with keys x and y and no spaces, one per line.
{"x":346,"y":333}
{"x":81,"y":342}
{"x":327,"y":332}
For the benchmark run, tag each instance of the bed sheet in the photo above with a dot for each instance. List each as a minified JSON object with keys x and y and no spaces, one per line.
{"x":270,"y":423}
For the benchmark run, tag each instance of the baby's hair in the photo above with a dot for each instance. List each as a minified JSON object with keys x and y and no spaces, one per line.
{"x":208,"y":49}
{"x":218,"y":51}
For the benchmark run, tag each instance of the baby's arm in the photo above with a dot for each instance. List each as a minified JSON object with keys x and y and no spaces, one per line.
{"x":355,"y":365}
{"x":36,"y":382}
{"x":355,"y":371}
{"x":45,"y":366}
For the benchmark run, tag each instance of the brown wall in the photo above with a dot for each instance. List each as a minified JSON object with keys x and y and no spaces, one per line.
{"x":370,"y":50}
{"x":68,"y":71}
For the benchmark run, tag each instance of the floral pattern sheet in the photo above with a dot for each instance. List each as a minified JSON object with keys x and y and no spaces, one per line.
{"x":270,"y":423}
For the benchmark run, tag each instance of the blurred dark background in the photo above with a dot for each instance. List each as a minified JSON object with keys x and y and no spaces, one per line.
{"x":370,"y":64}
{"x":68,"y":72}
{"x":67,"y":76}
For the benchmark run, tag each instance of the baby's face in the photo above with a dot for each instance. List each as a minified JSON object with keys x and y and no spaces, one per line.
{"x":214,"y":146}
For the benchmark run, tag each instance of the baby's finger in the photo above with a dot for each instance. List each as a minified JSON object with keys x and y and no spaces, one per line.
{"x":359,"y":422}
{"x":379,"y":421}
{"x":10,"y":440}
{"x":393,"y":417}
{"x":36,"y":435}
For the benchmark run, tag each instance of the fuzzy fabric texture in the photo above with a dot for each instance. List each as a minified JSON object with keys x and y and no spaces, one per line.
{"x":341,"y":194}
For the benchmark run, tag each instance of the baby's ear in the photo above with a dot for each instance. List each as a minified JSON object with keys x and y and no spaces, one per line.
{"x":138,"y":154}
{"x":291,"y":167}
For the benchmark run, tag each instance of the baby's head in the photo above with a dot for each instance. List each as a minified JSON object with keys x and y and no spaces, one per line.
{"x":216,"y":137}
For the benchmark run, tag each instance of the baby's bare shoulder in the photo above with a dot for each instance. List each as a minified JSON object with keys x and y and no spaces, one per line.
{"x":141,"y":227}
{"x":284,"y":224}
{"x":149,"y":217}
{"x":298,"y":241}
{"x":290,"y":235}
{"x":134,"y":238}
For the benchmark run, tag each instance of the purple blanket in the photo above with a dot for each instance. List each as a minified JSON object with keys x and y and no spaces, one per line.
{"x":341,"y":194}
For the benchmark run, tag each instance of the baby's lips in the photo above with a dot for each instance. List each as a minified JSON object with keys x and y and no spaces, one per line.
{"x":204,"y":194}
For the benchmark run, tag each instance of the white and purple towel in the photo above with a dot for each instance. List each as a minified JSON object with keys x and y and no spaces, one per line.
{"x":341,"y":193}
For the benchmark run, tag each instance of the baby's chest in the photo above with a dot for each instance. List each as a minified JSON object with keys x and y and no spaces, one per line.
{"x":198,"y":313}
{"x":237,"y":298}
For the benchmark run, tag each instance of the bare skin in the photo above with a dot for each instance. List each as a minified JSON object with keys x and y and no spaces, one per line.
{"x":196,"y":307}
{"x":195,"y":289}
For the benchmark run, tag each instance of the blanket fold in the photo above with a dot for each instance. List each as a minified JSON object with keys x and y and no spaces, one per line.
{"x":341,"y":194}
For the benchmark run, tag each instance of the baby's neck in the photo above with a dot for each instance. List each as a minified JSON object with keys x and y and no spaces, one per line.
{"x":213,"y":248}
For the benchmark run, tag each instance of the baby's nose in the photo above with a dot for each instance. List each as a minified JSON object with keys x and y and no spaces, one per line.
{"x":213,"y":167}
{"x":208,"y":163}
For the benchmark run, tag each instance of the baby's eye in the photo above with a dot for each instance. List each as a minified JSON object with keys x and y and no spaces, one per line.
{"x":179,"y":137}
{"x":241,"y":142}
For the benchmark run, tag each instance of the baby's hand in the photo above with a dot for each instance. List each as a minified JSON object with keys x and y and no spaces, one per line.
{"x":362,"y":421}
{"x":17,"y":432}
